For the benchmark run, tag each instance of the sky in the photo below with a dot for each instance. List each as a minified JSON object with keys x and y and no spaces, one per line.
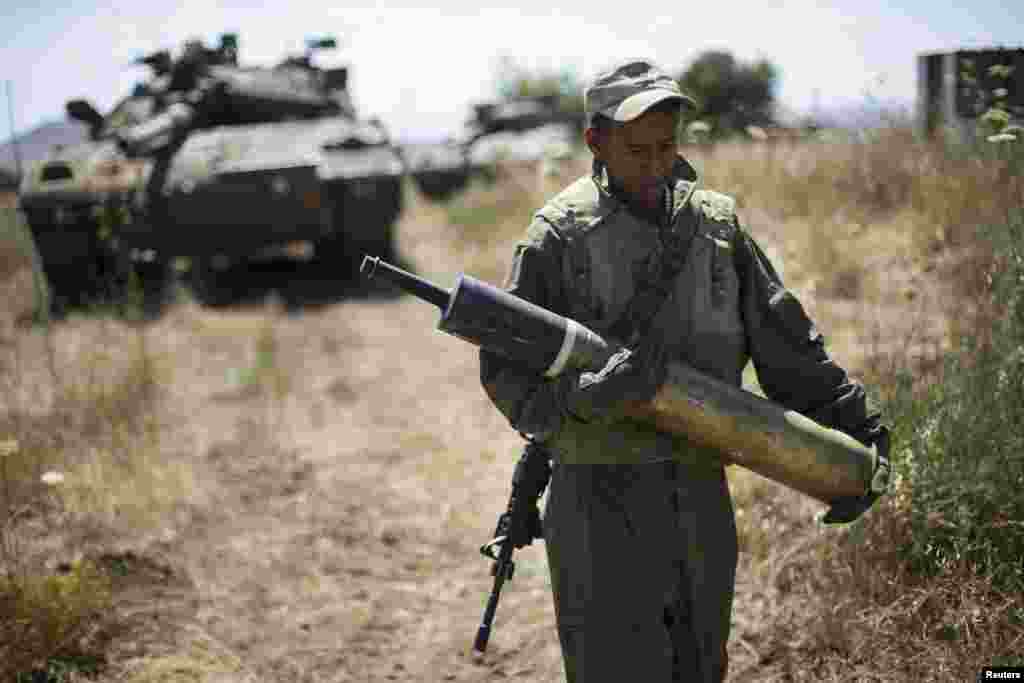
{"x":421,"y":69}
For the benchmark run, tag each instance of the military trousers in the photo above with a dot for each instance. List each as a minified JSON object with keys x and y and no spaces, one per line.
{"x":643,"y":567}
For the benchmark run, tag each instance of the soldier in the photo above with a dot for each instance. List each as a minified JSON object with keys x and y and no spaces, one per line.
{"x":639,"y":529}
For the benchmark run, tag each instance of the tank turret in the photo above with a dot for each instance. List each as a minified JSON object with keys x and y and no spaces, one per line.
{"x":520,"y":128}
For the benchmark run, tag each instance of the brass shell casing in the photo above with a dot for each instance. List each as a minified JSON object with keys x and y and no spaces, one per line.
{"x":759,"y":435}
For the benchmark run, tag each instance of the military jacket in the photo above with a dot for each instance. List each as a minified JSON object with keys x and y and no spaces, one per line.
{"x":584,"y":256}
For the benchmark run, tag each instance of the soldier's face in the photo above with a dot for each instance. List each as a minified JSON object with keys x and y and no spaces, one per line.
{"x":639,"y":155}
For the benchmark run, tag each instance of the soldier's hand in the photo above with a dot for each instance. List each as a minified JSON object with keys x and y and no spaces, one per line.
{"x":629,"y":376}
{"x":845,"y":510}
{"x":522,"y":530}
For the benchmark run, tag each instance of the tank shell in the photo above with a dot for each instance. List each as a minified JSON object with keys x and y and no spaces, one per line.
{"x":759,"y":435}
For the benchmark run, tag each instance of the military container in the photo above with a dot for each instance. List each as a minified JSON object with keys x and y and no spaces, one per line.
{"x":955,"y":88}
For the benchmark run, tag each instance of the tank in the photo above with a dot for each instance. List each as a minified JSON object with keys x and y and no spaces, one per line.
{"x":218,"y":162}
{"x":520,"y":128}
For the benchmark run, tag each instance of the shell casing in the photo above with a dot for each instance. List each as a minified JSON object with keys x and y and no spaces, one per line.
{"x":759,"y":435}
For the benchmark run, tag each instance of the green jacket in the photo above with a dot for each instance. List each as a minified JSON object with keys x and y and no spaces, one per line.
{"x":582,"y":257}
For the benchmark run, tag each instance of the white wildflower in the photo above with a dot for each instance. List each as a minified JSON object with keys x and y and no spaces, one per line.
{"x":52,"y":478}
{"x":1002,"y":137}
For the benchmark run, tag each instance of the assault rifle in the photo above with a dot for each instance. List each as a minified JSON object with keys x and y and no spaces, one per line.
{"x":517,"y":527}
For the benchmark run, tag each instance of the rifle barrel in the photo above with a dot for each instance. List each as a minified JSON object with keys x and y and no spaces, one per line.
{"x":423,"y":289}
{"x":503,"y":569}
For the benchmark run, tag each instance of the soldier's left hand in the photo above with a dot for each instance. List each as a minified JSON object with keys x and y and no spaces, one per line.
{"x":845,"y":510}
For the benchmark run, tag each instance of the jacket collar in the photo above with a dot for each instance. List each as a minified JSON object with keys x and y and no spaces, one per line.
{"x":682,"y":181}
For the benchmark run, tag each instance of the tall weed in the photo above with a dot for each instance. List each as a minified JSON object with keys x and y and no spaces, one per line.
{"x":939,"y":191}
{"x":80,"y":463}
{"x":962,"y":463}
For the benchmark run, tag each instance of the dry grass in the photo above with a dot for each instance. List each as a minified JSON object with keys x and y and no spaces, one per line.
{"x":84,"y":469}
{"x":839,"y":204}
{"x":23,"y":288}
{"x":89,"y":408}
{"x":203,"y":659}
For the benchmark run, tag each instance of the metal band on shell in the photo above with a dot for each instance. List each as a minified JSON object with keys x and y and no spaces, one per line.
{"x":568,"y":341}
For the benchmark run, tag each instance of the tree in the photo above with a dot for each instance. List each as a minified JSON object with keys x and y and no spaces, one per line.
{"x":730,"y":95}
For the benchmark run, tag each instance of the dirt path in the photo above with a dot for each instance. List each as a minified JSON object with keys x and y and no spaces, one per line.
{"x":343,"y":546}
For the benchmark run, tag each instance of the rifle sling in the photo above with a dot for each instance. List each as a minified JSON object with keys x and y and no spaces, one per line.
{"x":653,"y":289}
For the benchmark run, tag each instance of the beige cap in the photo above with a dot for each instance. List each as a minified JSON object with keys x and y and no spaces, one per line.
{"x":629,"y":89}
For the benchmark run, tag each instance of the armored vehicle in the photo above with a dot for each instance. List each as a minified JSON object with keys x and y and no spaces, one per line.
{"x":520,"y":128}
{"x":217,"y":162}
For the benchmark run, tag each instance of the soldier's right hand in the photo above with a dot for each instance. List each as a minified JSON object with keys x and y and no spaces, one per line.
{"x":629,"y":376}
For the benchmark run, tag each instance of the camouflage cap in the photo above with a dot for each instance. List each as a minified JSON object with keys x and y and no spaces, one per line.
{"x":629,"y":89}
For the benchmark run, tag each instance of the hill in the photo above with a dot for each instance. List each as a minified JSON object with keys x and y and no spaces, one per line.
{"x":37,"y":143}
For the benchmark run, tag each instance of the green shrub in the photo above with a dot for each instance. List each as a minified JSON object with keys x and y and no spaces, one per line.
{"x":961,"y":468}
{"x":48,"y":621}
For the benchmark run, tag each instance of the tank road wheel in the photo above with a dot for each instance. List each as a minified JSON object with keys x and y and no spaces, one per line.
{"x":80,"y":268}
{"x":334,"y":252}
{"x":150,"y":283}
{"x":206,"y":280}
{"x":439,"y":186}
